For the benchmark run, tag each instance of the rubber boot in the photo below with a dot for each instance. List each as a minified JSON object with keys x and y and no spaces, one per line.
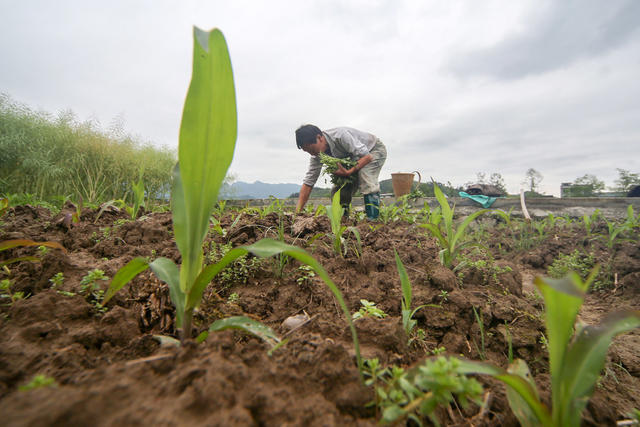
{"x":372,"y":205}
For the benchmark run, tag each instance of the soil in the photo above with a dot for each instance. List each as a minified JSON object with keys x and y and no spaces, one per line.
{"x":111,"y":369}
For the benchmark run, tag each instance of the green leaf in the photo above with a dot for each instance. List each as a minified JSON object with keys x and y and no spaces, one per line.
{"x":167,"y":271}
{"x":563,"y":298}
{"x":585,"y":359}
{"x":207,"y":141}
{"x":523,"y":387}
{"x":247,"y":325}
{"x":521,"y":409}
{"x":208,"y":273}
{"x":10,"y":244}
{"x":124,"y":276}
{"x":463,"y":226}
{"x":404,"y":283}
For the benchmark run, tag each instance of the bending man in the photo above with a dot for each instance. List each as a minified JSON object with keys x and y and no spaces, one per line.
{"x":344,"y":142}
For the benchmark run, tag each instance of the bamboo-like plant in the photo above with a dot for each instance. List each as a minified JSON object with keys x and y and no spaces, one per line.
{"x":575,"y":358}
{"x":442,"y":228}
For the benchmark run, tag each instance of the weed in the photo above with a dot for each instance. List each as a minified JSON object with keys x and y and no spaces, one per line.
{"x":580,"y":263}
{"x":239,"y":271}
{"x":307,"y":275}
{"x":38,"y":381}
{"x":91,"y":289}
{"x":5,"y":292}
{"x":368,"y":309}
{"x":480,"y":321}
{"x":420,"y":391}
{"x":233,"y":298}
{"x":331,"y":166}
{"x":57,"y":280}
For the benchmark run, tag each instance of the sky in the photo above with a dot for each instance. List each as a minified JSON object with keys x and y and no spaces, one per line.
{"x":452,"y":88}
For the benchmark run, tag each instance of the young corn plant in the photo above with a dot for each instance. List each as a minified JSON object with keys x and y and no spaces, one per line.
{"x":408,"y":322}
{"x":138,"y":196}
{"x":441,"y":226}
{"x":576,"y":357}
{"x":207,"y":142}
{"x":338,"y":230}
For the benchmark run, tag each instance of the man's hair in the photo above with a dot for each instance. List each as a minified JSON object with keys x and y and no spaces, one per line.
{"x":306,"y":134}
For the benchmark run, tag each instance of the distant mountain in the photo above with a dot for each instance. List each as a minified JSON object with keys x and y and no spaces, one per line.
{"x":258,"y":190}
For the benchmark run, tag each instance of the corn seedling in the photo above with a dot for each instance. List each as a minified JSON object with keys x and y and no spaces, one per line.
{"x":137,"y":189}
{"x":207,"y":142}
{"x":368,"y":309}
{"x":632,"y":221}
{"x":330,"y":166}
{"x":338,"y":230}
{"x":408,"y":322}
{"x":576,"y":357}
{"x":442,"y":228}
{"x":613,"y":230}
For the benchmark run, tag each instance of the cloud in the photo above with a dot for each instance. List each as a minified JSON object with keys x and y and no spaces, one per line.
{"x":562,"y":33}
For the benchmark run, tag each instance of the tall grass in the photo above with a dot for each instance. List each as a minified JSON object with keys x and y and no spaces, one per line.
{"x":52,"y":156}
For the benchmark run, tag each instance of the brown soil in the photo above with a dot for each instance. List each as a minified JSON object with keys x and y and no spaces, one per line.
{"x":111,"y":370}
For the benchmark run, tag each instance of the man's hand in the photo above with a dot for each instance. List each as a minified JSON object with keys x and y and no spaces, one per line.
{"x":341,"y":171}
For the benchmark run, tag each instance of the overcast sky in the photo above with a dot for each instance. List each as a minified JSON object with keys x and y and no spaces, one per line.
{"x":451,"y":87}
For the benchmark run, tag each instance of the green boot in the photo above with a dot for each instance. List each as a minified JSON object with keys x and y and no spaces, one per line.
{"x":372,"y":205}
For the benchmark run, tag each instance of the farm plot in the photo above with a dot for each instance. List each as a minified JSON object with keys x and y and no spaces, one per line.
{"x":67,"y":359}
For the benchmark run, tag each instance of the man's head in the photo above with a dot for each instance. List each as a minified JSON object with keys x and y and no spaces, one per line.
{"x":310,"y":139}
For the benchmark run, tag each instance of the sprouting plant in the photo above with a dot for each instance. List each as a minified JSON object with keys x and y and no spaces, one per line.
{"x":444,"y":295}
{"x":57,"y":279}
{"x":38,"y":381}
{"x":632,"y":221}
{"x":408,"y":322}
{"x":578,"y":262}
{"x":307,"y":275}
{"x":368,"y":309}
{"x":330,"y":165}
{"x":509,"y":342}
{"x":237,"y":272}
{"x":576,"y":356}
{"x":5,"y":292}
{"x":338,"y":230}
{"x":438,"y":350}
{"x":480,"y":321}
{"x":91,"y":289}
{"x":207,"y":141}
{"x":137,"y":188}
{"x":613,"y":231}
{"x":389,"y":213}
{"x":442,"y":228}
{"x":233,"y":298}
{"x":506,"y":216}
{"x":420,"y":391}
{"x":552,"y":220}
{"x":42,"y":250}
{"x":540,"y":228}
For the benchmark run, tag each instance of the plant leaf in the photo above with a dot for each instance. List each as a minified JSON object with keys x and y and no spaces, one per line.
{"x":246,"y":324}
{"x":124,"y":276}
{"x":404,"y":283}
{"x":563,"y":298}
{"x":208,"y":134}
{"x":585,"y":359}
{"x":167,"y":271}
{"x":520,"y":385}
{"x":10,"y":244}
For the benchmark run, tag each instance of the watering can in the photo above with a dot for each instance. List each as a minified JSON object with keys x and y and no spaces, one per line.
{"x":402,"y":182}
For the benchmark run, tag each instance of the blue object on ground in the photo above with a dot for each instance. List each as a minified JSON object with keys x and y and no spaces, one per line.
{"x":485,"y":201}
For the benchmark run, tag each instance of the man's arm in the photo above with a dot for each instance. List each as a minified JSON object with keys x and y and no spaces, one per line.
{"x":362,"y":162}
{"x":305,"y":191}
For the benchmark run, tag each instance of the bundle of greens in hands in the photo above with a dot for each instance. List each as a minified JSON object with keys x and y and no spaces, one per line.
{"x":330,"y":166}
